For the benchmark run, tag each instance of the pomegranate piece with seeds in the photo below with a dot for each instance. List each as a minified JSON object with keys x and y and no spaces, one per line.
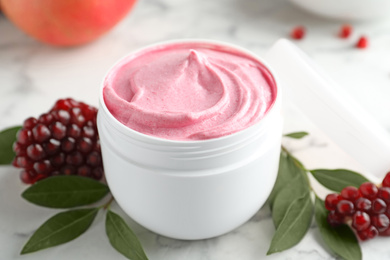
{"x":63,"y":141}
{"x":366,"y":209}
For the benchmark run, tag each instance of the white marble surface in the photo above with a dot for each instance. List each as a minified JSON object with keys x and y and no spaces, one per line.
{"x":33,"y":76}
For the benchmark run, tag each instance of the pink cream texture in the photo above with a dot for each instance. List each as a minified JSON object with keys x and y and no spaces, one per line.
{"x":189,"y":91}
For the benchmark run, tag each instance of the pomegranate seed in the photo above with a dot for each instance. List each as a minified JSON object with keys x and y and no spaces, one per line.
{"x":84,"y":170}
{"x":62,"y":104}
{"x":362,"y":42}
{"x":18,"y":149}
{"x":94,"y":159}
{"x":368,"y":233}
{"x":345,"y":208}
{"x":74,"y":131}
{"x":334,"y":219}
{"x":88,"y":132}
{"x":42,"y":167}
{"x":24,"y":136}
{"x":68,"y":144}
{"x":378,"y":206}
{"x":368,"y":190}
{"x":381,"y":222}
{"x":298,"y":32}
{"x":360,"y":220}
{"x":52,"y":147}
{"x":58,"y":160}
{"x":35,"y":152}
{"x":74,"y":158}
{"x":46,"y":119}
{"x":345,"y":31}
{"x":350,"y":193}
{"x":331,"y":201}
{"x":26,"y":177}
{"x":58,"y":130}
{"x":68,"y":170}
{"x":22,"y":162}
{"x":384,"y":193}
{"x":97,"y":173}
{"x":363,"y":204}
{"x":386,"y":180}
{"x":62,"y":116}
{"x":41,"y":133}
{"x":85,"y":145}
{"x":29,"y":123}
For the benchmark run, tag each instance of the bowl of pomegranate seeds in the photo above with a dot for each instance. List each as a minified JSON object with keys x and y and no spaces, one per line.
{"x":347,"y":9}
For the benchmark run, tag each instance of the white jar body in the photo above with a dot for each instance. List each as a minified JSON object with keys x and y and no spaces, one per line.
{"x":200,"y":194}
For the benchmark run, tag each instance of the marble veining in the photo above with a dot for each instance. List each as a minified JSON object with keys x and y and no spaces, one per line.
{"x":33,"y":76}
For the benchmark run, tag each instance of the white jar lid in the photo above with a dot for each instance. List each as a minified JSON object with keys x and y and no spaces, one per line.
{"x":331,"y":109}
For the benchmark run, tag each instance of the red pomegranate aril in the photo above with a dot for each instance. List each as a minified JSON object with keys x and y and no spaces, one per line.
{"x":68,"y":170}
{"x":360,"y":220}
{"x":58,"y":160}
{"x":75,"y":158}
{"x":378,"y":206}
{"x":24,"y":136}
{"x":35,"y":152}
{"x":362,"y":43}
{"x":42,"y":167}
{"x":384,"y":194}
{"x":298,"y":32}
{"x":30,"y":122}
{"x":62,"y":116}
{"x":41,"y":133}
{"x":363,"y":204}
{"x":369,"y":233}
{"x":85,"y":145}
{"x":331,"y":201}
{"x":345,"y":208}
{"x":46,"y":119}
{"x":334,"y":219}
{"x":368,"y":190}
{"x":84,"y":170}
{"x":386,"y":180}
{"x":22,"y":162}
{"x":94,"y":159}
{"x":52,"y":146}
{"x":381,"y":222}
{"x":68,"y":144}
{"x":62,"y":104}
{"x":26,"y":177}
{"x":350,"y":193}
{"x":97,"y":173}
{"x":74,"y":131}
{"x":58,"y":130}
{"x":90,"y":113}
{"x":345,"y":31}
{"x":18,"y":149}
{"x":88,"y":131}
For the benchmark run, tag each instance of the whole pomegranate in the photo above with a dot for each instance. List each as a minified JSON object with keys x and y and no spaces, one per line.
{"x":65,"y":22}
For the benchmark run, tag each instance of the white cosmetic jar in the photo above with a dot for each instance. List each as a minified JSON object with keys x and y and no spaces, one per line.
{"x":192,"y":189}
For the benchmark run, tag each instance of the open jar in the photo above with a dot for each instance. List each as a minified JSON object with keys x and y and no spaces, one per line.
{"x":192,"y":189}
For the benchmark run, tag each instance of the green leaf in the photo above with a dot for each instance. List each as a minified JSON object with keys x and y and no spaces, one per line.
{"x":294,"y":225}
{"x":65,"y":192}
{"x":289,"y":168}
{"x":61,"y":228}
{"x":7,"y":139}
{"x":338,"y":179}
{"x":341,"y":240}
{"x":297,"y":135}
{"x":294,"y":190}
{"x":122,"y":238}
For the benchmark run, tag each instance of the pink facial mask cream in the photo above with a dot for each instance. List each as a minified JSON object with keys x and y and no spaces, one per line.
{"x":189,"y":91}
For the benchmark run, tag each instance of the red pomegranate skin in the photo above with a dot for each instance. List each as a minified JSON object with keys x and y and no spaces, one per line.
{"x":66,"y":22}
